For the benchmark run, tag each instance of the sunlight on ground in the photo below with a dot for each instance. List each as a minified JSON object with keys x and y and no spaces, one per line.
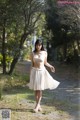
{"x":16,"y":96}
{"x":22,"y":104}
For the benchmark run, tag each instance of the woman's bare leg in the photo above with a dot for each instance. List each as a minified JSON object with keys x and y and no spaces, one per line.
{"x":38,"y":96}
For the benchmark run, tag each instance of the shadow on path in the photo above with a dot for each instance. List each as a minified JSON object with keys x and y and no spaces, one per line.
{"x":66,"y":96}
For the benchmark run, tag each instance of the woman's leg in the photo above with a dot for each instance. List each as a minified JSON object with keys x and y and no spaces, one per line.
{"x":38,"y":96}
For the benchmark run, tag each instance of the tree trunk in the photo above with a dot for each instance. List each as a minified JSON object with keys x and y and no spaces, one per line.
{"x":65,"y":48}
{"x":13,"y":65}
{"x":78,"y":45}
{"x":4,"y":52}
{"x":15,"y":60}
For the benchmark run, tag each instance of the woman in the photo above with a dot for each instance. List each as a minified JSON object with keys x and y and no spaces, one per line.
{"x":40,"y":79}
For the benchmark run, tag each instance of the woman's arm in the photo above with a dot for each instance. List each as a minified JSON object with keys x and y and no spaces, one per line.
{"x":47,"y":64}
{"x":31,"y":58}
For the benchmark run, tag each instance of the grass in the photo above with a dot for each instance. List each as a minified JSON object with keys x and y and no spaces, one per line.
{"x":16,"y":96}
{"x":12,"y":84}
{"x":1,"y":87}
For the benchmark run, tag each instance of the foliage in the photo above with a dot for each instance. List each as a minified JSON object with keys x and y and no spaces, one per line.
{"x":1,"y":58}
{"x":62,"y":19}
{"x":8,"y":59}
{"x":18,"y":20}
{"x":64,"y":23}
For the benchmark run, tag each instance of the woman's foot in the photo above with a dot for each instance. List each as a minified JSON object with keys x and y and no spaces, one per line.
{"x":40,"y":109}
{"x":35,"y":110}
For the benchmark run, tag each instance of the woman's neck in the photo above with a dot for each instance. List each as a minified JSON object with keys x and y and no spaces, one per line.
{"x":38,"y":51}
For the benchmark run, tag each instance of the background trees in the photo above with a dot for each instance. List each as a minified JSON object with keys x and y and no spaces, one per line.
{"x":58,"y":24}
{"x":64,"y":22}
{"x":18,"y":19}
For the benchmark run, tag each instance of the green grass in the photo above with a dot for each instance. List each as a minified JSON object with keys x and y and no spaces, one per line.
{"x":16,"y":96}
{"x":12,"y":83}
{"x":14,"y":90}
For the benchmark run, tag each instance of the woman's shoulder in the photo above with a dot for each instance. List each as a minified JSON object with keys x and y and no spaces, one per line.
{"x":44,"y":52}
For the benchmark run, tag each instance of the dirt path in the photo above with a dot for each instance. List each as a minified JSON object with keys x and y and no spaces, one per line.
{"x":61,"y":103}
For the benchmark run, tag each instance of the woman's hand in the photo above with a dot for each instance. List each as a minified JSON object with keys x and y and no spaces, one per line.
{"x":52,"y":69}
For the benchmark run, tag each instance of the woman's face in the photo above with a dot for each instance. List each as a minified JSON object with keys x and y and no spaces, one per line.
{"x":38,"y":47}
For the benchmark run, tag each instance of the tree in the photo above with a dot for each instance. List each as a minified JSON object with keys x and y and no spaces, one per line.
{"x":64,"y":22}
{"x":19,"y":19}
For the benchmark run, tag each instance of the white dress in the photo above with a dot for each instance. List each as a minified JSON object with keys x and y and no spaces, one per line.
{"x":40,"y":79}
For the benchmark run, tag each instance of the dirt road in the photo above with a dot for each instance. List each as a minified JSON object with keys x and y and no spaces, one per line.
{"x":63,"y":102}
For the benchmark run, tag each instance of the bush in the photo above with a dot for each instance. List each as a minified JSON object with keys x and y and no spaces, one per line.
{"x":1,"y":59}
{"x":8,"y":59}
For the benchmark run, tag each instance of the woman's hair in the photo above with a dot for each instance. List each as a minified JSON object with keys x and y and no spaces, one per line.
{"x":39,"y":42}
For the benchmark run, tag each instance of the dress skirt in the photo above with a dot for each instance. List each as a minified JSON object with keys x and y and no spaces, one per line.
{"x":40,"y":79}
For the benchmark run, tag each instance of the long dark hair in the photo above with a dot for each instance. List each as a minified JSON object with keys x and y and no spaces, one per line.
{"x":39,"y":42}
